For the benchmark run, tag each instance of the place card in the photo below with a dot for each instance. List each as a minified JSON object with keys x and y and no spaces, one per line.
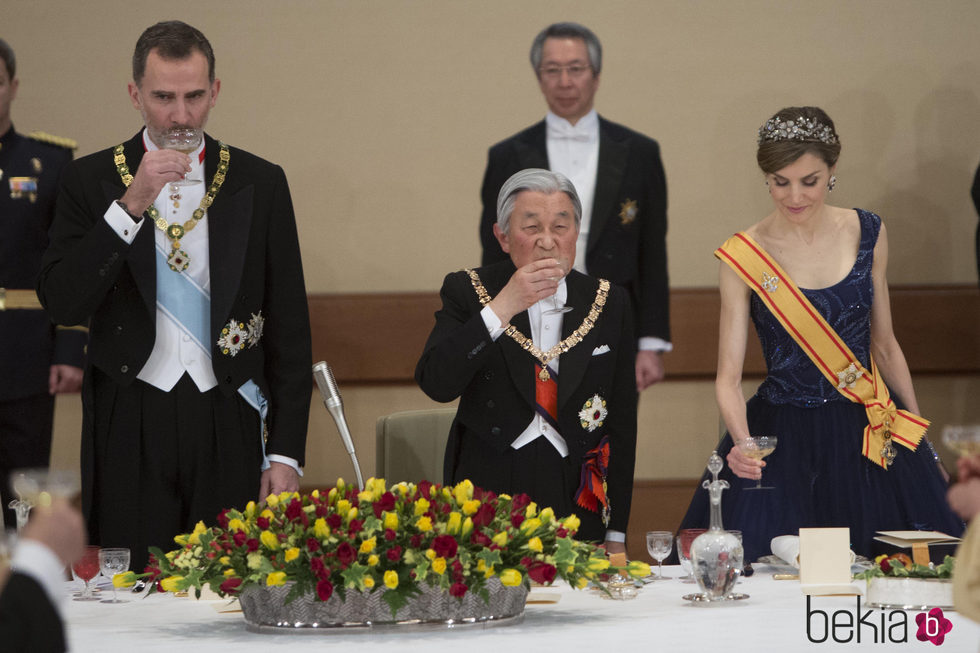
{"x":825,"y":561}
{"x":916,"y":541}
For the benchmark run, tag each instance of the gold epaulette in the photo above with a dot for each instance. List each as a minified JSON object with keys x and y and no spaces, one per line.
{"x":51,"y":139}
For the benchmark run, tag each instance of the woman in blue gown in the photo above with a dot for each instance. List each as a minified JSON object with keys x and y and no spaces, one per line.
{"x":819,"y":475}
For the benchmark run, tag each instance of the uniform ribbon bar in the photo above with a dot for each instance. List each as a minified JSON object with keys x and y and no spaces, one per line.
{"x":887,"y":424}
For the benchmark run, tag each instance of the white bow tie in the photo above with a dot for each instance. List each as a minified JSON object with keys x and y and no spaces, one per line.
{"x":568,"y":133}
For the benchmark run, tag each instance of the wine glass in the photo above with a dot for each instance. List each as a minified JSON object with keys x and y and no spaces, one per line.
{"x":87,"y":567}
{"x":555,"y":308}
{"x":186,"y":140}
{"x":39,"y":486}
{"x":659,"y":544}
{"x":113,"y":561}
{"x":684,"y":540}
{"x":964,"y":440}
{"x":757,"y":448}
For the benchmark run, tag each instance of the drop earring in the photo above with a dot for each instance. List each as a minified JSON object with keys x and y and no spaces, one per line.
{"x":831,"y":183}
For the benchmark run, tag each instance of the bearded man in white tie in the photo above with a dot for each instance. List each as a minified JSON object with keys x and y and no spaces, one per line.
{"x":186,"y":262}
{"x":619,"y":178}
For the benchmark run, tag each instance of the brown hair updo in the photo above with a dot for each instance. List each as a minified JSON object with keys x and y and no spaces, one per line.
{"x":793,"y":132}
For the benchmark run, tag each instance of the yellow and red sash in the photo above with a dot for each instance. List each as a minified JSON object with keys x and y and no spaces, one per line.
{"x":831,"y":355}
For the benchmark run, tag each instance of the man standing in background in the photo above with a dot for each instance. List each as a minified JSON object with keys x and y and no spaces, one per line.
{"x":37,"y":359}
{"x":619,"y":178}
{"x":187,"y":262}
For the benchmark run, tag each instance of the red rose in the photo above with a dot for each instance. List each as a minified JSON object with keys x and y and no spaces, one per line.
{"x":446,"y":508}
{"x":541,"y":572}
{"x":390,"y":534}
{"x":444,"y":546}
{"x":346,"y":553}
{"x":312,"y":544}
{"x":324,"y":589}
{"x":223,"y":518}
{"x":294,"y":509}
{"x":458,"y":590}
{"x":252,"y":544}
{"x":416,"y":541}
{"x":318,"y":569}
{"x":334,"y":521}
{"x":239,"y":538}
{"x":394,"y":553}
{"x":484,"y":515}
{"x":486,"y":496}
{"x":516,"y":520}
{"x":355,"y":526}
{"x":457,"y":567}
{"x":386,"y":502}
{"x":519,"y":503}
{"x":263,"y":523}
{"x":321,"y":510}
{"x":561,"y":532}
{"x":423,"y":489}
{"x":886,"y":566}
{"x":230,"y":586}
{"x":480,"y":538}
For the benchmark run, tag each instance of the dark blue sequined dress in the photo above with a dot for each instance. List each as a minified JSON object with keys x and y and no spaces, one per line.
{"x":819,"y":475}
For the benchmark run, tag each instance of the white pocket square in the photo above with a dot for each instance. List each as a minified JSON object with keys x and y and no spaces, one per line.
{"x":602,"y":349}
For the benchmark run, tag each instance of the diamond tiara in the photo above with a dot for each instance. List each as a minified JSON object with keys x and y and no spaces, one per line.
{"x":801,"y":129}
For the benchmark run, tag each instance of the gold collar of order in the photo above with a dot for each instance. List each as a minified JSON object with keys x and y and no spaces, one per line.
{"x":178,"y":259}
{"x":562,"y":347}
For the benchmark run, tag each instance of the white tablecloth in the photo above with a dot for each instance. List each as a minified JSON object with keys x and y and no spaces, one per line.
{"x":774,"y":618}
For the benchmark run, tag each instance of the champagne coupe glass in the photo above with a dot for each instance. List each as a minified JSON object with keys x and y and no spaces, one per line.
{"x":757,"y":448}
{"x":659,"y":544}
{"x":87,"y":568}
{"x":111,"y":562}
{"x":684,"y":540}
{"x":39,"y":486}
{"x":186,"y":140}
{"x":964,"y":440}
{"x":565,"y":267}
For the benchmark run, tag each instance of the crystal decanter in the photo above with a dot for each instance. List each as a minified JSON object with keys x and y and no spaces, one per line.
{"x":716,"y":555}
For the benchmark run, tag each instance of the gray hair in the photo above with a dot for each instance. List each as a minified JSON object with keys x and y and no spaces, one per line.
{"x":568,"y":31}
{"x":536,"y":180}
{"x":8,"y":58}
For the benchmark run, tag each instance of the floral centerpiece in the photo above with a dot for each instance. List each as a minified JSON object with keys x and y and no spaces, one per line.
{"x":896,"y":582}
{"x":900,"y":565}
{"x":395,"y":544}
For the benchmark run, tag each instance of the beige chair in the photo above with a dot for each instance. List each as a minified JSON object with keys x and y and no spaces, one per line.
{"x":410,"y":445}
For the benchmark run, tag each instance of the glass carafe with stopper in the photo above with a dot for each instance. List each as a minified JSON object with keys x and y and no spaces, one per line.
{"x":716,"y":555}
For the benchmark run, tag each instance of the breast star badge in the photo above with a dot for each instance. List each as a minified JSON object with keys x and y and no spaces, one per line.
{"x":628,"y":211}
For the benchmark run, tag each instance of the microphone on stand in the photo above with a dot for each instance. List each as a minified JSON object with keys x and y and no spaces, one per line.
{"x":331,"y":399}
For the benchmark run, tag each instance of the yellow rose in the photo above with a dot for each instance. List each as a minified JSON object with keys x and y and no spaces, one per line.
{"x":228,"y":572}
{"x":275,"y":578}
{"x":391,"y":520}
{"x":272,"y":500}
{"x":547,"y":516}
{"x":531,"y":510}
{"x":366,"y":496}
{"x":320,"y":528}
{"x":489,"y":572}
{"x":125,"y":579}
{"x":421,"y":507}
{"x":343,"y":507}
{"x":500,"y":539}
{"x":430,"y":554}
{"x":424,"y":524}
{"x":530,"y":525}
{"x":373,"y":560}
{"x":571,"y":523}
{"x":269,"y":540}
{"x":199,"y":529}
{"x":225,"y":560}
{"x":285,"y":497}
{"x":463,"y":491}
{"x":367,"y":546}
{"x":439,"y":566}
{"x":454,"y":523}
{"x":236,"y":525}
{"x":315,"y":494}
{"x":511,"y":577}
{"x":481,"y":565}
{"x":581,"y":583}
{"x":250,"y":509}
{"x":368,"y":582}
{"x":534,"y":544}
{"x":391,"y":579}
{"x":598,"y":564}
{"x":470,"y":507}
{"x":402,"y":488}
{"x":292,"y":553}
{"x":169,"y":584}
{"x":467,"y":526}
{"x":181,"y":539}
{"x":377,"y":487}
{"x":638,"y":569}
{"x":268,"y":514}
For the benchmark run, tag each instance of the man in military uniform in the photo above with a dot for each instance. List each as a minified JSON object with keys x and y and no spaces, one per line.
{"x":37,"y":359}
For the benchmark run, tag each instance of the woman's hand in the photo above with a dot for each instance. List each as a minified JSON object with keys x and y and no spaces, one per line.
{"x":743,"y":466}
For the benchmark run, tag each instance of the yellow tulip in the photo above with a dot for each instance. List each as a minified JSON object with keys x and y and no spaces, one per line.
{"x":531,"y":510}
{"x":181,"y":539}
{"x":315,"y":494}
{"x":275,"y":578}
{"x":272,"y":500}
{"x":228,"y":572}
{"x":199,"y":529}
{"x":391,"y":579}
{"x":236,"y":525}
{"x":373,"y":560}
{"x":268,"y":514}
{"x":598,"y":564}
{"x":467,"y":526}
{"x":511,"y":577}
{"x":351,"y":514}
{"x":463,"y":491}
{"x":454,"y":523}
{"x":269,"y":540}
{"x":367,"y":546}
{"x":500,"y":539}
{"x":638,"y":569}
{"x":291,"y":554}
{"x":424,"y":524}
{"x":481,"y":565}
{"x":439,"y":566}
{"x":421,"y":506}
{"x":125,"y":579}
{"x":250,"y":509}
{"x":530,"y":525}
{"x":534,"y":544}
{"x":581,"y":583}
{"x":470,"y":507}
{"x":225,"y":560}
{"x":169,"y":584}
{"x":366,"y":496}
{"x":547,"y":516}
{"x":572,"y":523}
{"x":343,"y":507}
{"x":430,"y":554}
{"x":391,"y":520}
